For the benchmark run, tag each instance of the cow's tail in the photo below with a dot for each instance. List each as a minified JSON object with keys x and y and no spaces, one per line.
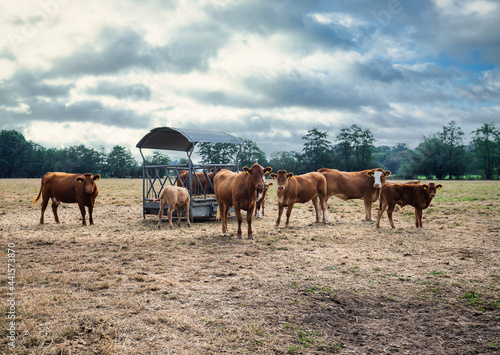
{"x":35,"y":200}
{"x":156,"y":200}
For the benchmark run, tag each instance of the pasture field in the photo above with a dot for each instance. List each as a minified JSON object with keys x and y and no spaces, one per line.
{"x":123,"y":287}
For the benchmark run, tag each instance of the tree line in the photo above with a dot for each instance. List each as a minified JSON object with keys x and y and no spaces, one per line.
{"x":442,"y":155}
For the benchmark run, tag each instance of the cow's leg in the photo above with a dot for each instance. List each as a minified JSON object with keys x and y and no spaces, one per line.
{"x":381,"y":208}
{"x":83,"y":212}
{"x":55,"y":205}
{"x":45,"y":201}
{"x":160,"y":214}
{"x":289,"y":212}
{"x":315,"y":202}
{"x":368,"y":209}
{"x":91,"y":209}
{"x":280,"y":212}
{"x":262,"y":206}
{"x":223,"y":217}
{"x":322,"y":203}
{"x":390,"y":209}
{"x":249,"y":222}
{"x":418,"y":218}
{"x":186,"y":208}
{"x":179,"y":215}
{"x":239,"y":218}
{"x":169,"y":215}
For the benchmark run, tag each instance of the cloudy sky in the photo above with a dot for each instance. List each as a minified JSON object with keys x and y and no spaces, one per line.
{"x":103,"y":73}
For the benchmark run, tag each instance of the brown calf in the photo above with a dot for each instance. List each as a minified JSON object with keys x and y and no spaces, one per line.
{"x":239,"y":190}
{"x":68,"y":188}
{"x":176,"y":197}
{"x":418,"y":196}
{"x":300,"y":189}
{"x":201,"y":185}
{"x":364,"y":185}
{"x":261,"y":200}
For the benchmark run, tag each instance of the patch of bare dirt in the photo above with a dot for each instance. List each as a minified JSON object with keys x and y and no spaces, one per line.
{"x":122,"y":286}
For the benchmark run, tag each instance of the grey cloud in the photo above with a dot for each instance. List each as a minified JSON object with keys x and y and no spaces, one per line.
{"x":120,"y":91}
{"x":118,"y":50}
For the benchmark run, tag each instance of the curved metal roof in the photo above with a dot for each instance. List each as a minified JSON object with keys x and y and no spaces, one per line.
{"x":180,"y":139}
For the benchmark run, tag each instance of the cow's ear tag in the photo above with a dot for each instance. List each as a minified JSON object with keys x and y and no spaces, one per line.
{"x":246,"y":172}
{"x":425,"y":187}
{"x":439,"y":187}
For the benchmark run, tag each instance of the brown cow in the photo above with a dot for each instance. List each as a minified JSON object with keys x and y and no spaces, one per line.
{"x":68,"y":188}
{"x":261,"y":200}
{"x":300,"y":189}
{"x":364,"y":185}
{"x":418,"y":196}
{"x":239,"y":190}
{"x":175,"y":197}
{"x":201,"y":184}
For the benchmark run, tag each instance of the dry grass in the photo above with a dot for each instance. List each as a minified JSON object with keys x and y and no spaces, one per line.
{"x":123,"y":287}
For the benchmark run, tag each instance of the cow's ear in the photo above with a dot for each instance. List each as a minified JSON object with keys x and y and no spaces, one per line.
{"x":273,"y":175}
{"x":268,"y":170}
{"x":97,"y":177}
{"x":370,"y":173}
{"x":79,"y":179}
{"x":289,"y":175}
{"x":425,"y":186}
{"x":246,"y":169}
{"x":387,"y":173}
{"x":439,"y":187}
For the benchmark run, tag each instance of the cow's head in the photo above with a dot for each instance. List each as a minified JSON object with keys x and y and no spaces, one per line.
{"x":379,"y":176}
{"x":89,"y":181}
{"x":431,"y":189}
{"x":282,"y":178}
{"x":257,"y":173}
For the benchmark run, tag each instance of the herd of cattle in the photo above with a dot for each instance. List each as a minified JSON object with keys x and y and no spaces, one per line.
{"x":247,"y":190}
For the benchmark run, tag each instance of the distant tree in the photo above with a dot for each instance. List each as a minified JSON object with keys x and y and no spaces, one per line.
{"x":217,"y":153}
{"x":251,"y":153}
{"x":158,"y":158}
{"x":283,"y":160}
{"x":451,"y":137}
{"x":392,"y":158}
{"x":486,"y":146}
{"x":81,"y":159}
{"x":355,"y":148}
{"x":120,"y":163}
{"x":317,"y":152}
{"x":427,"y":160}
{"x":15,"y":154}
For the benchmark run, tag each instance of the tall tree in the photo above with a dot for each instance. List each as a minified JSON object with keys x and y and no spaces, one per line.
{"x":355,"y":148}
{"x":120,"y":163}
{"x":486,"y":146}
{"x":318,"y":151}
{"x":452,"y":139}
{"x":158,"y":158}
{"x":427,"y":159}
{"x":289,"y":161}
{"x":217,"y":153}
{"x":251,"y":153}
{"x":15,"y":153}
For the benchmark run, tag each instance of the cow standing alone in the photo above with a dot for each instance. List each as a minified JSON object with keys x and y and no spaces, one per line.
{"x":68,"y":188}
{"x":239,"y":190}
{"x":418,"y":196}
{"x":364,"y":185}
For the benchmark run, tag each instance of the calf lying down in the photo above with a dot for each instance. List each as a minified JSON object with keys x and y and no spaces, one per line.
{"x":175,"y":197}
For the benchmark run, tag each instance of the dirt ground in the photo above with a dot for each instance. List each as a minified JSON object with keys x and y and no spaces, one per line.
{"x":123,"y":287}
